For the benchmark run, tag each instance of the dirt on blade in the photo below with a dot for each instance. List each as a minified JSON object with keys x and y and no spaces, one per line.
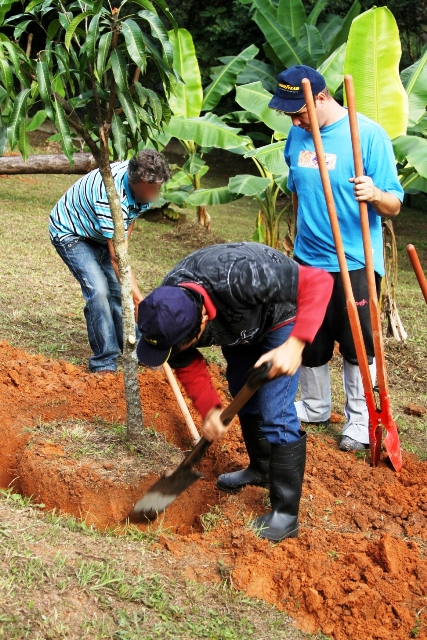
{"x":358,"y":568}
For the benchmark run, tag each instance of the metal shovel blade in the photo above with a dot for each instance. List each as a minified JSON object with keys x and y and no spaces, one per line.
{"x":163,"y":493}
{"x":171,"y":485}
{"x":393,"y":449}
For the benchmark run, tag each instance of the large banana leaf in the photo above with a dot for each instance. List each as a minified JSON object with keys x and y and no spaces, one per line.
{"x":414,"y":80}
{"x":271,"y":158}
{"x":312,"y":41}
{"x":256,"y":70}
{"x":247,"y":185}
{"x":372,"y":58}
{"x":332,"y":69}
{"x":412,"y":150}
{"x":291,"y":15}
{"x":316,"y":11}
{"x":341,"y":35}
{"x":207,"y":197}
{"x":281,"y":41}
{"x":188,"y":97}
{"x":206,"y":131}
{"x":265,"y":6}
{"x":255,"y":99}
{"x":240,"y":117}
{"x":223,"y":81}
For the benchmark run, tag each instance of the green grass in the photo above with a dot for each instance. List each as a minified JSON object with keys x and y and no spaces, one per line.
{"x":61,"y":581}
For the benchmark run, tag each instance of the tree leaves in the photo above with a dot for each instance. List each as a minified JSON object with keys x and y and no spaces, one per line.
{"x":225,"y":79}
{"x":414,"y":80}
{"x":16,"y":117}
{"x":188,"y":97}
{"x":247,"y":185}
{"x":372,"y":58}
{"x":64,"y":132}
{"x":119,"y":67}
{"x":255,"y":98}
{"x":134,"y":42}
{"x":71,"y":29}
{"x":103,"y":52}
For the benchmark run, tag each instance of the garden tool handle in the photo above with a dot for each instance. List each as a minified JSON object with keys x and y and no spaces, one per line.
{"x":356,"y":329}
{"x":257,"y":377}
{"x":181,"y":403}
{"x":382,"y":416}
{"x":374,"y":309}
{"x":416,"y":265}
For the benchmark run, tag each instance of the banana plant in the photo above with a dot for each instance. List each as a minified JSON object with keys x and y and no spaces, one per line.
{"x":398,"y":104}
{"x":372,"y":58}
{"x":86,"y":76}
{"x":293,"y":37}
{"x":269,"y":159}
{"x":270,"y":164}
{"x":198,"y":133}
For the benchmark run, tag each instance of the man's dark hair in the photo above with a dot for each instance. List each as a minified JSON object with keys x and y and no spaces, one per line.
{"x":196,"y":329}
{"x":148,"y":166}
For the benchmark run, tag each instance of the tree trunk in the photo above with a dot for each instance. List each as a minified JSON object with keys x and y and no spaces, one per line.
{"x":203,"y":217}
{"x":55,"y":163}
{"x":135,"y":421}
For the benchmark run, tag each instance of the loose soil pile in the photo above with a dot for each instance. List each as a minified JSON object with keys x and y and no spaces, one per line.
{"x":358,"y":568}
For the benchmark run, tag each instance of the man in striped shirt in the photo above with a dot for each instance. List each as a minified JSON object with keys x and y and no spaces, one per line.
{"x":81,"y":230}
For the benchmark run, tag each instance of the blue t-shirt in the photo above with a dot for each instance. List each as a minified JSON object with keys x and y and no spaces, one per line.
{"x":84,"y":209}
{"x":314,"y":244}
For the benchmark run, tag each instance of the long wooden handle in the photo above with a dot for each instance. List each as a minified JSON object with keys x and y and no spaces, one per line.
{"x":374,"y":309}
{"x":181,"y":402}
{"x":416,"y":265}
{"x":257,"y":377}
{"x":356,"y":329}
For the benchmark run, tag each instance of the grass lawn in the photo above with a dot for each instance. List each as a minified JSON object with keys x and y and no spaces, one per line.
{"x":42,"y":312}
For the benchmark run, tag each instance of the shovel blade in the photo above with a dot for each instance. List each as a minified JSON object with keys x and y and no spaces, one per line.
{"x":162,"y":494}
{"x":392,"y":446}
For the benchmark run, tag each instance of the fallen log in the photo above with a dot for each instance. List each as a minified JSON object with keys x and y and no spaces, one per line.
{"x":54,"y":163}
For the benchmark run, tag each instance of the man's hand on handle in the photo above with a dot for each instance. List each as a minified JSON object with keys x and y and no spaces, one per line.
{"x":213,"y":428}
{"x":385,"y":204}
{"x":285,"y":360}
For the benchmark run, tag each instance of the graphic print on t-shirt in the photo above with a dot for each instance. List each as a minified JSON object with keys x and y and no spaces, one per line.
{"x":308,"y":159}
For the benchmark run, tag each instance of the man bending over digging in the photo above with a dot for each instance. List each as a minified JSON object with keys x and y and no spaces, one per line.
{"x":258,"y":305}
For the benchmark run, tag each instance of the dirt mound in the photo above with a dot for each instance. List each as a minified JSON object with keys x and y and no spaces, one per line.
{"x":358,"y":568}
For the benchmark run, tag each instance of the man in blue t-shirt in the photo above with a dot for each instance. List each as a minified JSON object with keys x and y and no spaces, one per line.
{"x":314,"y":245}
{"x":81,"y":230}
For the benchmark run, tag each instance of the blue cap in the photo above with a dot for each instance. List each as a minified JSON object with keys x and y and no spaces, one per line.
{"x":289,"y":95}
{"x":165,"y":317}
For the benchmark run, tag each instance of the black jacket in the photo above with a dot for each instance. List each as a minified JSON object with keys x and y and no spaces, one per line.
{"x":252,"y":286}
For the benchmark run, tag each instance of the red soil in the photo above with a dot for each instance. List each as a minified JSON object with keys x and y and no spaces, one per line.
{"x":358,"y":568}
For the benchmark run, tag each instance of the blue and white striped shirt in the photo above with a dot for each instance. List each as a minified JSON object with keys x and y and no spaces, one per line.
{"x":84,"y":210}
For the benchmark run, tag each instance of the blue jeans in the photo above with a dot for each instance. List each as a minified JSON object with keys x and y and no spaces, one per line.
{"x":90,"y":264}
{"x":274,"y":401}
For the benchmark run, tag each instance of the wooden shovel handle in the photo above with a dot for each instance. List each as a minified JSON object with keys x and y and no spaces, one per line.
{"x":181,"y":402}
{"x":353,"y":315}
{"x":416,"y":265}
{"x":374,"y":309}
{"x":257,"y":377}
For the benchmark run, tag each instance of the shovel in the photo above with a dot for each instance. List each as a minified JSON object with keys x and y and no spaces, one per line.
{"x":378,"y":417}
{"x":181,"y":403}
{"x":171,"y":485}
{"x":416,"y":264}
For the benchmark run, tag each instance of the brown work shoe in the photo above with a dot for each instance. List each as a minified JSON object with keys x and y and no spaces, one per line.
{"x":104,"y":372}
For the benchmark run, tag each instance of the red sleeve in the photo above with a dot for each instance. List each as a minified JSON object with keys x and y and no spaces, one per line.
{"x":198,"y":385}
{"x":314,"y":292}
